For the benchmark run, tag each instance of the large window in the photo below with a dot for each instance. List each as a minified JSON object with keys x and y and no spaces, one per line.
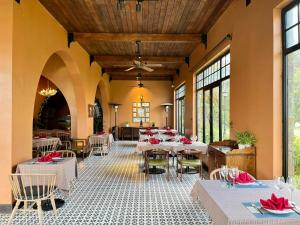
{"x":291,"y":90}
{"x":179,"y":95}
{"x":213,"y":86}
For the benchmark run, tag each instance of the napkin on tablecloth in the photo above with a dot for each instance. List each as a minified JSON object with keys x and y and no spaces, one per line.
{"x":185,"y":141}
{"x":154,"y":141}
{"x":275,"y":203}
{"x":48,"y":157}
{"x":244,"y":178}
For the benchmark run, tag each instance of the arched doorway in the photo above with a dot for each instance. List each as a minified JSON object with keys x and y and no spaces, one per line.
{"x":98,"y":117}
{"x":51,"y":112}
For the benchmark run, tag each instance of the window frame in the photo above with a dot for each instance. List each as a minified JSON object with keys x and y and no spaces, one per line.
{"x":180,"y":97}
{"x":285,"y":52}
{"x":210,"y":87}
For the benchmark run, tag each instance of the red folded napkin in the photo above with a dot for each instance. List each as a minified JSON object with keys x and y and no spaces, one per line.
{"x":154,"y":141}
{"x":48,"y":157}
{"x":185,"y":141}
{"x":149,"y":133}
{"x":100,"y":133}
{"x":275,"y":203}
{"x":171,"y":134}
{"x":244,"y":178}
{"x":148,"y":128}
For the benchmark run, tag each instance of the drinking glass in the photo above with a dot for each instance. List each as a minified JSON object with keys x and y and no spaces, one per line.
{"x":279,"y":183}
{"x":194,"y":138}
{"x":224,"y":172}
{"x":233,"y":173}
{"x":291,"y":186}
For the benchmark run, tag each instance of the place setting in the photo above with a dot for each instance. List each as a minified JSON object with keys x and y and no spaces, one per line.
{"x":277,"y":205}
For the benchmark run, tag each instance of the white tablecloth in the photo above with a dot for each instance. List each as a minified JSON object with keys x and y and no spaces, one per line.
{"x":65,"y":170}
{"x":44,"y":141}
{"x":171,"y":146}
{"x":225,"y":206}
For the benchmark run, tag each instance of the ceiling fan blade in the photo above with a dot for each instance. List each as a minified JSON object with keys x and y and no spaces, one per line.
{"x":131,"y":68}
{"x":147,"y":68}
{"x":154,"y":65}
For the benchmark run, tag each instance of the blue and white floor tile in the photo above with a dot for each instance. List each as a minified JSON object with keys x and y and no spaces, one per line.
{"x":112,"y":190}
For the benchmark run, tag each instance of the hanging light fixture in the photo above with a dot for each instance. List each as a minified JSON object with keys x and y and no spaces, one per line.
{"x":48,"y":91}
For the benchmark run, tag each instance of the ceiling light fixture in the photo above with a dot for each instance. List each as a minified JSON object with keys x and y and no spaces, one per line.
{"x":138,"y":6}
{"x":48,"y":92}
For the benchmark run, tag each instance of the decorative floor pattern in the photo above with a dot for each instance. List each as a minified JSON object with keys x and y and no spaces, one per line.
{"x":112,"y":190}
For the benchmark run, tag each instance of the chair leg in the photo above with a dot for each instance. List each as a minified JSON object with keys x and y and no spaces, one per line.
{"x":53,"y":205}
{"x":181,"y":173}
{"x":168,"y":172}
{"x":40,"y":212}
{"x":177,"y":169}
{"x":13,"y":213}
{"x":91,"y":152}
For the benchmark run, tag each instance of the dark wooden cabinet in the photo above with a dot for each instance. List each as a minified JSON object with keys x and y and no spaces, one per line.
{"x":244,"y":159}
{"x":129,"y":133}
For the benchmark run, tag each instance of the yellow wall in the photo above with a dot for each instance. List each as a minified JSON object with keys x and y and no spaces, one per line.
{"x":32,"y":43}
{"x":6,"y":24}
{"x":155,"y":92}
{"x":255,"y":76}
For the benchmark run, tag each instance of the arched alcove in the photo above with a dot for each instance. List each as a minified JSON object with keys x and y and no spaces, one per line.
{"x":51,"y":112}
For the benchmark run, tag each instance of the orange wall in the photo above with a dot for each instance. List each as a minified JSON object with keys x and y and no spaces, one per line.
{"x":32,"y":43}
{"x":156,"y":92}
{"x":6,"y":24}
{"x":255,"y":76}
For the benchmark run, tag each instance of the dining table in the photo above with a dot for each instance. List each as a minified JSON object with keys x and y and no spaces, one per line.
{"x":65,"y":170}
{"x":239,"y":205}
{"x":171,"y":146}
{"x":37,"y":142}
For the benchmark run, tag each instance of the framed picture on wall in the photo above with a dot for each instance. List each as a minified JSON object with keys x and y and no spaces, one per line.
{"x":91,"y":110}
{"x":140,"y":112}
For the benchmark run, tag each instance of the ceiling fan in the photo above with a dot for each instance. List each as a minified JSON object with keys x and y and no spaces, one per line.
{"x":139,"y":79}
{"x":139,"y":64}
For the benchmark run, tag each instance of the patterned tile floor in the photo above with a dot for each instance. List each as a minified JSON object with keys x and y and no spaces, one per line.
{"x":112,"y":190}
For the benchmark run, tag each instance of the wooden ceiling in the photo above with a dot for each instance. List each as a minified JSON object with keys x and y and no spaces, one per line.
{"x":169,"y":31}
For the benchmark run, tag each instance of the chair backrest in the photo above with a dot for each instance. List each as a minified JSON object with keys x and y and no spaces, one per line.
{"x":97,"y":141}
{"x":189,"y":152}
{"x":215,"y":174}
{"x":67,"y":153}
{"x":45,"y":147}
{"x":63,"y":136}
{"x":157,"y":153}
{"x":28,"y":187}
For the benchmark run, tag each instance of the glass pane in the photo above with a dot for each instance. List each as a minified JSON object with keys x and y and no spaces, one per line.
{"x":200,"y":115}
{"x":291,"y":17}
{"x":225,"y":113}
{"x":207,"y":116}
{"x":182,"y":116}
{"x":215,"y":109}
{"x":292,"y":37}
{"x":293,"y":100}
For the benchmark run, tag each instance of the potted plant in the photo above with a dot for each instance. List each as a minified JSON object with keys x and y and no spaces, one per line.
{"x":245,"y":139}
{"x":126,"y":124}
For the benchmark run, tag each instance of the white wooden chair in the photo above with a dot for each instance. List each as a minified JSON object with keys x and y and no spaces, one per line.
{"x":32,"y":188}
{"x":215,"y":174}
{"x":65,"y":139}
{"x":66,"y":153}
{"x":99,"y":144}
{"x":45,"y":147}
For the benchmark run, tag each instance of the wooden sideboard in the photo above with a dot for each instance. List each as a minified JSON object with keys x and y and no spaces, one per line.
{"x":244,"y":159}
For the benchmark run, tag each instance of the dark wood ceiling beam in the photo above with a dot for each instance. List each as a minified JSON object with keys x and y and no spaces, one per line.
{"x":148,"y":59}
{"x":135,"y":71}
{"x":166,"y":78}
{"x":123,"y":37}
